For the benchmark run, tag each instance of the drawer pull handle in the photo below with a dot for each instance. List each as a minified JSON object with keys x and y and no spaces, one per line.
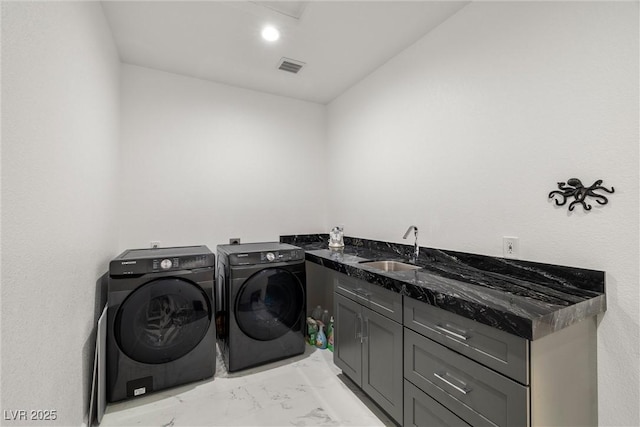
{"x":450,"y":332}
{"x":347,"y":290}
{"x":365,"y":335}
{"x":360,"y":335}
{"x":362,"y":292}
{"x":443,"y":379}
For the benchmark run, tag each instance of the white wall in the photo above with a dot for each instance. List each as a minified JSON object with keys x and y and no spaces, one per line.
{"x":60,"y":76}
{"x":202,"y":162}
{"x":466,"y":132}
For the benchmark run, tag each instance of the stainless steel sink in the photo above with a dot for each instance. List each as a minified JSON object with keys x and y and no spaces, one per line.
{"x":390,"y":265}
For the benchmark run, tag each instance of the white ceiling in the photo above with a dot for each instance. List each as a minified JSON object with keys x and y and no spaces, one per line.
{"x":339,"y":41}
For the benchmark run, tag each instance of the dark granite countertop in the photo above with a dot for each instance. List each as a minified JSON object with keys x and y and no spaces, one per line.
{"x":524,"y":298}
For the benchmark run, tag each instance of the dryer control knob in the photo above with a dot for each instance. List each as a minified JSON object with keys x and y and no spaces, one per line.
{"x":270,"y":256}
{"x":166,"y":264}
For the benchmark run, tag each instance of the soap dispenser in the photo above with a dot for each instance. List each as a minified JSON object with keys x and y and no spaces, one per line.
{"x":336,"y":237}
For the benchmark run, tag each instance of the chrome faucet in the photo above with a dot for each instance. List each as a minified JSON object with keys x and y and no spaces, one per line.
{"x":416,"y":248}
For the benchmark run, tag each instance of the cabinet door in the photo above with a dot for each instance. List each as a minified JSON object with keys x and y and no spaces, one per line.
{"x":382,"y":362}
{"x":347,"y":353}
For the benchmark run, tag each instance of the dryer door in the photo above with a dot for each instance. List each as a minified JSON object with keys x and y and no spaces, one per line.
{"x":162,"y":320}
{"x":269,"y":304}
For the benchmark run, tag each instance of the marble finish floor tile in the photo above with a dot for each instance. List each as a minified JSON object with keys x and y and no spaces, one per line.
{"x":306,"y":390}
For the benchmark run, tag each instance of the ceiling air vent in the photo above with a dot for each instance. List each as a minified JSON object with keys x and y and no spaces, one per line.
{"x":290,"y":65}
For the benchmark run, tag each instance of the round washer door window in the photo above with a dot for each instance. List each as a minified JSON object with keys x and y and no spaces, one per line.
{"x":269,"y":304}
{"x":162,"y":320}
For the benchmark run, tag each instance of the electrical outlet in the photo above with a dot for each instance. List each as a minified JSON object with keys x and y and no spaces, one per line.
{"x":155,"y":244}
{"x":234,"y":241}
{"x":510,"y":247}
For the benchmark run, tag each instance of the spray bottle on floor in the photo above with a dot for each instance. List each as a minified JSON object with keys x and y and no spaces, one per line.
{"x":321,"y":339}
{"x":330,"y":334}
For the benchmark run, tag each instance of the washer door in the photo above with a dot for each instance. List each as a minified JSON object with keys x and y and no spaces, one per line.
{"x":269,"y":304}
{"x":162,"y":320}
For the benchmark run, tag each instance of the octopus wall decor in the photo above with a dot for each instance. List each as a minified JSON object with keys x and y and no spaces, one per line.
{"x":574,"y":188}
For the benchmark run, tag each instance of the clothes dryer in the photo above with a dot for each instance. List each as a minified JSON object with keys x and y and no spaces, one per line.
{"x":261,"y":303}
{"x":161,"y":331}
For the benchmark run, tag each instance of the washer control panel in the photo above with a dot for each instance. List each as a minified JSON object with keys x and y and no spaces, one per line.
{"x":261,"y":253}
{"x":281,"y":256}
{"x":141,"y":261}
{"x":179,"y":263}
{"x":266,"y":257}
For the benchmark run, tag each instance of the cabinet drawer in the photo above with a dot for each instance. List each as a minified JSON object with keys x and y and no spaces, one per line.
{"x":478,"y":395}
{"x":499,"y":350}
{"x":420,"y":410}
{"x":377,"y":298}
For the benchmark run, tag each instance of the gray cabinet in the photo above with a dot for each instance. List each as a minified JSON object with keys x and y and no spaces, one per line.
{"x":368,"y":344}
{"x":429,"y":367}
{"x":458,"y":369}
{"x":499,"y":350}
{"x":472,"y":391}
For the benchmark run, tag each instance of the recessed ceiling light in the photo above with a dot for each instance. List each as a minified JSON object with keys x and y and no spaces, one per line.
{"x":270,"y":33}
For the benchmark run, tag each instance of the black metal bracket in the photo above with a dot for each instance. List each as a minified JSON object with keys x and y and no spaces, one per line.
{"x":574,"y":188}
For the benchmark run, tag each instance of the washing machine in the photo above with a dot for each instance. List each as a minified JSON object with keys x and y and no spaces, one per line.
{"x":160,"y":320}
{"x":261,"y":303}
